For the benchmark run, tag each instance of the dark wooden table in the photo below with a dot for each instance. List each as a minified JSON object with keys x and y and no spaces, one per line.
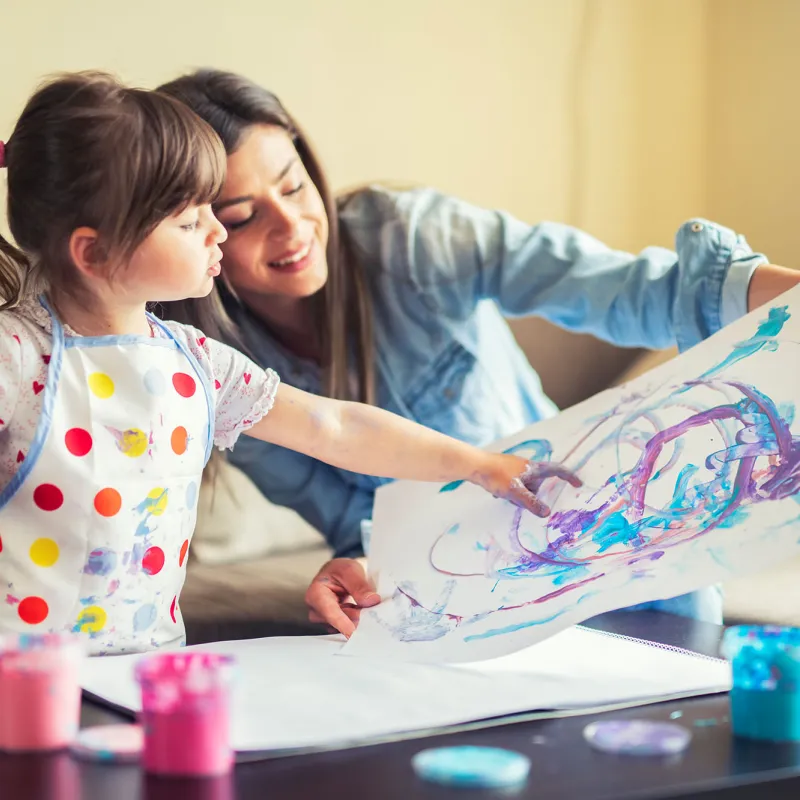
{"x":715,"y":766}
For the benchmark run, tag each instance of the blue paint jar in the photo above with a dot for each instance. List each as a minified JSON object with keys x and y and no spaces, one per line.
{"x":765,"y":698}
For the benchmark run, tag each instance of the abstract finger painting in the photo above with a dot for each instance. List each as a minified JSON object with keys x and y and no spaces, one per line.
{"x":691,"y":475}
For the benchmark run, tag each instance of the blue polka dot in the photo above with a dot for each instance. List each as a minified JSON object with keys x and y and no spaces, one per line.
{"x":144,"y":617}
{"x":101,"y":561}
{"x":191,"y":495}
{"x":154,"y":382}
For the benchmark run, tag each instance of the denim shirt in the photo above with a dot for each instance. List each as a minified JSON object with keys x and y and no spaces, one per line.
{"x":443,"y":274}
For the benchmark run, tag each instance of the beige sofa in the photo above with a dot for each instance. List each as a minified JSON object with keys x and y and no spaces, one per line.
{"x":251,"y":561}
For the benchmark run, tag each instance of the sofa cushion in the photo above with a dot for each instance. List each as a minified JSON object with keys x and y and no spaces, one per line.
{"x":236,"y":523}
{"x":768,"y":597}
{"x":266,"y":589}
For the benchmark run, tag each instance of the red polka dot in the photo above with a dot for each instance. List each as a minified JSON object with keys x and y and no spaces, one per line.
{"x":172,"y":609}
{"x":48,"y":497}
{"x":1,"y":544}
{"x":108,"y":502}
{"x":78,"y":441}
{"x":184,"y":551}
{"x":184,"y":384}
{"x":153,"y":561}
{"x":33,"y":610}
{"x":179,"y":439}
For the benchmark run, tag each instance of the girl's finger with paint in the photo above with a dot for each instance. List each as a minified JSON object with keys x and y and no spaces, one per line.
{"x":537,"y":472}
{"x":517,"y":480}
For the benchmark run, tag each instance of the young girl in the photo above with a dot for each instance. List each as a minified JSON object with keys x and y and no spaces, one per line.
{"x":108,"y":416}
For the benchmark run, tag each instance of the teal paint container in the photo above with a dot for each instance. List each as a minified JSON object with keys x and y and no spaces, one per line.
{"x":765,"y":698}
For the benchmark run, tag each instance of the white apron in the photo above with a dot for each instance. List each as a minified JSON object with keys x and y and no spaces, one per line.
{"x":96,"y":524}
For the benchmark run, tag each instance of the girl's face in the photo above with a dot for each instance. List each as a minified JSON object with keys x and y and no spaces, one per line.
{"x":275,"y":219}
{"x":178,"y":260}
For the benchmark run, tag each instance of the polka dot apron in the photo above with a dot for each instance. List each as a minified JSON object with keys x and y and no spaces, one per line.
{"x":97,"y":522}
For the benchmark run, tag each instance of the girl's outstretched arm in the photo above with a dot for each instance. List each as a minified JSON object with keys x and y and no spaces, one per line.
{"x":365,"y":439}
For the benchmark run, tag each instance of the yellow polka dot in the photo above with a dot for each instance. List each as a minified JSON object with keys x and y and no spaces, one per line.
{"x":92,"y":619}
{"x":134,"y":443}
{"x":101,"y":385}
{"x":158,"y":502}
{"x":44,"y":552}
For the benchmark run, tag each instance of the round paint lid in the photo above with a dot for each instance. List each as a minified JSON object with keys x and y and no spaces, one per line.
{"x":479,"y":767}
{"x":637,"y":737}
{"x":110,"y":743}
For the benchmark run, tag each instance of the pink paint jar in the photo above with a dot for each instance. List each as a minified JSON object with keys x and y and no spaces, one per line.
{"x":186,"y":713}
{"x":40,"y":692}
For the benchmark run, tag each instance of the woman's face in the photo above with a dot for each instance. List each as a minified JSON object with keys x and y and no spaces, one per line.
{"x":276,"y":222}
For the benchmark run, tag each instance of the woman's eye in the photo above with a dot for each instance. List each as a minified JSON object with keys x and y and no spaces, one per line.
{"x":297,"y":189}
{"x":191,"y":226}
{"x":233,"y":226}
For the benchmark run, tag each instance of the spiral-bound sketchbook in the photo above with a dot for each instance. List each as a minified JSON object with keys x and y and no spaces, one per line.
{"x":299,"y":694}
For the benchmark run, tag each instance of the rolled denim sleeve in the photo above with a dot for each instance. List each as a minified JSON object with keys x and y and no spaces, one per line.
{"x":459,"y":254}
{"x":723,"y":264}
{"x":314,"y":490}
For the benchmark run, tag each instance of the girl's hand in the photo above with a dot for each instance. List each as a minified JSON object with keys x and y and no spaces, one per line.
{"x":517,"y":480}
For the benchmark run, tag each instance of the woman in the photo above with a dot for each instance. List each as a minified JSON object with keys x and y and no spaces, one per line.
{"x":397,"y":299}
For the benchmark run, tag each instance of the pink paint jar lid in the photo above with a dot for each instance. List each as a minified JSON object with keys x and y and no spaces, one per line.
{"x":110,"y":744}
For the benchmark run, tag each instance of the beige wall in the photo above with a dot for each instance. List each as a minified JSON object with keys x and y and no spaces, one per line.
{"x":621,"y":116}
{"x":533,"y":105}
{"x":754,"y":122}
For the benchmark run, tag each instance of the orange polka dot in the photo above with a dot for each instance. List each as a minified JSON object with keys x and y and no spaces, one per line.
{"x":179,"y":440}
{"x":78,"y":441}
{"x":153,"y":561}
{"x":184,"y":551}
{"x":33,"y":610}
{"x":184,"y":384}
{"x":108,"y":502}
{"x":48,"y":497}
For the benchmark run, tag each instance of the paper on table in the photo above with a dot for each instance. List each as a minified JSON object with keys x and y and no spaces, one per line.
{"x":297,"y":693}
{"x":691,"y":475}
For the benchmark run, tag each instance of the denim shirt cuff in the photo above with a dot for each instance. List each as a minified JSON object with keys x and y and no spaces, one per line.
{"x":349,"y":550}
{"x":717,"y":264}
{"x":736,"y":286}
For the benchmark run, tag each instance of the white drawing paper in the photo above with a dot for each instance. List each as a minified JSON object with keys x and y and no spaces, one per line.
{"x":691,"y":475}
{"x":292,"y":694}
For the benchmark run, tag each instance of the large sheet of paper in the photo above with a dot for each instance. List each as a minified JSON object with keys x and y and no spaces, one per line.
{"x":691,"y":475}
{"x":300,"y":693}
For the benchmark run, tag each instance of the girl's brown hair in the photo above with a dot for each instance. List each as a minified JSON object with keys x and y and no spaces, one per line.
{"x":88,"y":151}
{"x":230,"y":104}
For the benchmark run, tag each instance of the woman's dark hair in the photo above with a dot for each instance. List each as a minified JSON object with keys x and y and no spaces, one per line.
{"x":231,"y":104}
{"x":89,"y":151}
